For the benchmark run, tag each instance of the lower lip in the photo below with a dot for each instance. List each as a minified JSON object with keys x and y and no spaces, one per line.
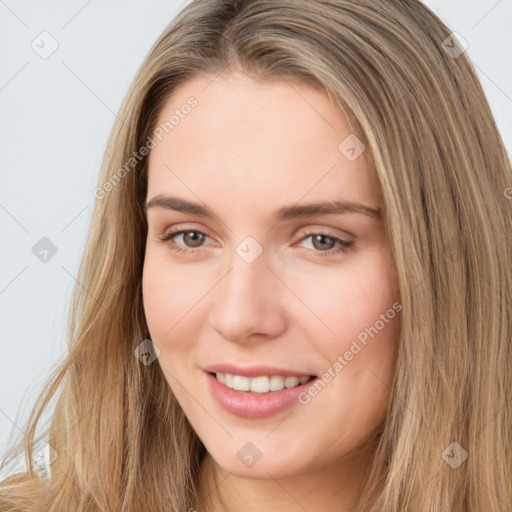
{"x":248,"y":404}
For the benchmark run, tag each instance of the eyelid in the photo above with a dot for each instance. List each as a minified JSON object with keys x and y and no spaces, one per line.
{"x":327,"y":231}
{"x":344,"y":244}
{"x":184,"y":227}
{"x":301,"y":234}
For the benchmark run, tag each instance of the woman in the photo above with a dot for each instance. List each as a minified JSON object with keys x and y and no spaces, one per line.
{"x":221,"y":356}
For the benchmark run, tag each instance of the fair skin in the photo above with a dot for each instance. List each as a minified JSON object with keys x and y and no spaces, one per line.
{"x":246,"y":150}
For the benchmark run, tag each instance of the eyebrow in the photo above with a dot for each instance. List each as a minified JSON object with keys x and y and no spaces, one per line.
{"x":335,"y":207}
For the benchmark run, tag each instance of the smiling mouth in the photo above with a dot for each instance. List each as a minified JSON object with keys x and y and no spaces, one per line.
{"x":260,"y":384}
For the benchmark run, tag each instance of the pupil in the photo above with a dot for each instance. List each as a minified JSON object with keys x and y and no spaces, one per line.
{"x":321,"y":239}
{"x":196,"y":238}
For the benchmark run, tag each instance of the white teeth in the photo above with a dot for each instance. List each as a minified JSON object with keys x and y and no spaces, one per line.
{"x":261,"y":384}
{"x":291,"y":382}
{"x":276,"y":383}
{"x":240,"y":383}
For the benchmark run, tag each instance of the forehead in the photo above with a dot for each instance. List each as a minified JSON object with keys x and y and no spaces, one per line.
{"x":255,"y":142}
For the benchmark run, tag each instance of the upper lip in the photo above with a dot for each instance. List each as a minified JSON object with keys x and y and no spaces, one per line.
{"x":254,"y":371}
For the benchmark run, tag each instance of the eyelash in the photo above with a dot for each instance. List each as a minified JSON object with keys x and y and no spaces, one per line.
{"x":343,"y":246}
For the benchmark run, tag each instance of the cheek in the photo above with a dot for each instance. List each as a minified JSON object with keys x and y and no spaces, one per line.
{"x":171,"y":307}
{"x":171,"y":299}
{"x":176,"y":303}
{"x":358,"y":333}
{"x":157,"y":299}
{"x":347,"y":300}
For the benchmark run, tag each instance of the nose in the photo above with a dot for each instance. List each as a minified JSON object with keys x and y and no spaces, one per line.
{"x":248,"y":302}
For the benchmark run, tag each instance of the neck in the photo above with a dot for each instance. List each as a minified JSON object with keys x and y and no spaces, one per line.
{"x":334,"y":488}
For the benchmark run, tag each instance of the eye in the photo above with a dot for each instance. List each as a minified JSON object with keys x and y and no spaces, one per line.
{"x":324,"y":243}
{"x":194,"y":239}
{"x":192,"y":236}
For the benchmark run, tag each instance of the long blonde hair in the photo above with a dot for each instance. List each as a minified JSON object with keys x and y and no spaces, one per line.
{"x":123,"y":442}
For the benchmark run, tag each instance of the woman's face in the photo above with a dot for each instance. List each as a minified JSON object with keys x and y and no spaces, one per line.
{"x":264,"y":285}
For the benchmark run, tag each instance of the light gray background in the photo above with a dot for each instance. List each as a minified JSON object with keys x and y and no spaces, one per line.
{"x":56,"y":115}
